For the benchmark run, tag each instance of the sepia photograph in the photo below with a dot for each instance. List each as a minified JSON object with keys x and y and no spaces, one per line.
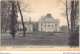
{"x":40,"y":24}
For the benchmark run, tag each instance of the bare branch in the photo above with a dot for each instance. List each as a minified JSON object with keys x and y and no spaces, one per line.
{"x":59,"y":2}
{"x":63,"y":2}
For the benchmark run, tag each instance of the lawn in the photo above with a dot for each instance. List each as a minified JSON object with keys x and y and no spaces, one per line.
{"x":39,"y":39}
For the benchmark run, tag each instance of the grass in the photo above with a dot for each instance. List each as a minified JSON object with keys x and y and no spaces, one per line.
{"x":42,"y":39}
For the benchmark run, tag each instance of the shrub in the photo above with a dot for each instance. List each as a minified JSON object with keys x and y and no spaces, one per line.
{"x":74,"y":38}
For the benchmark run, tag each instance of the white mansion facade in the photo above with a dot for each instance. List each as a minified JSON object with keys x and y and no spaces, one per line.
{"x":48,"y":24}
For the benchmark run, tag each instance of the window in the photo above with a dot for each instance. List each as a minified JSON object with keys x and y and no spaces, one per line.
{"x":48,"y":25}
{"x":41,"y":23}
{"x":55,"y":29}
{"x":56,"y":24}
{"x":45,"y":25}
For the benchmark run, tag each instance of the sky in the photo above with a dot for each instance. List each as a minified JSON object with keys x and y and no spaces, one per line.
{"x":43,"y":7}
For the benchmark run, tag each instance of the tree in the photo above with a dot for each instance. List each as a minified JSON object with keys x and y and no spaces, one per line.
{"x":63,"y":28}
{"x":9,"y":15}
{"x":13,"y":19}
{"x":74,"y":20}
{"x":66,"y":13}
{"x":25,"y":10}
{"x":18,"y":4}
{"x":74,"y":14}
{"x":4,"y":15}
{"x":74,"y":38}
{"x":67,"y":17}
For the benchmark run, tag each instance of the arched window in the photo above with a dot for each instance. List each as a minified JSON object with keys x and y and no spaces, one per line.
{"x":56,"y":24}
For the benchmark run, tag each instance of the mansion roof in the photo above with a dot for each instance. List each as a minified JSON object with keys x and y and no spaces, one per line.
{"x":48,"y":16}
{"x":48,"y":19}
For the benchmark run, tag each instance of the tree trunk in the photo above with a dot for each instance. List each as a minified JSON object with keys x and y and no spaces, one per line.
{"x":67,"y":17}
{"x":7,"y":21}
{"x":75,"y":12}
{"x":21,"y":18}
{"x":6,"y":29}
{"x":72,"y":16}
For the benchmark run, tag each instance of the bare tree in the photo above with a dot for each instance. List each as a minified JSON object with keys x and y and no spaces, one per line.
{"x":74,"y":13}
{"x":67,"y":17}
{"x":72,"y":16}
{"x":74,"y":20}
{"x":66,"y":13}
{"x":5,"y":15}
{"x":26,"y":8}
{"x":18,"y":4}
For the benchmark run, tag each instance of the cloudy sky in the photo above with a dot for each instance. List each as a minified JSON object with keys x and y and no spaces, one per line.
{"x":43,"y":7}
